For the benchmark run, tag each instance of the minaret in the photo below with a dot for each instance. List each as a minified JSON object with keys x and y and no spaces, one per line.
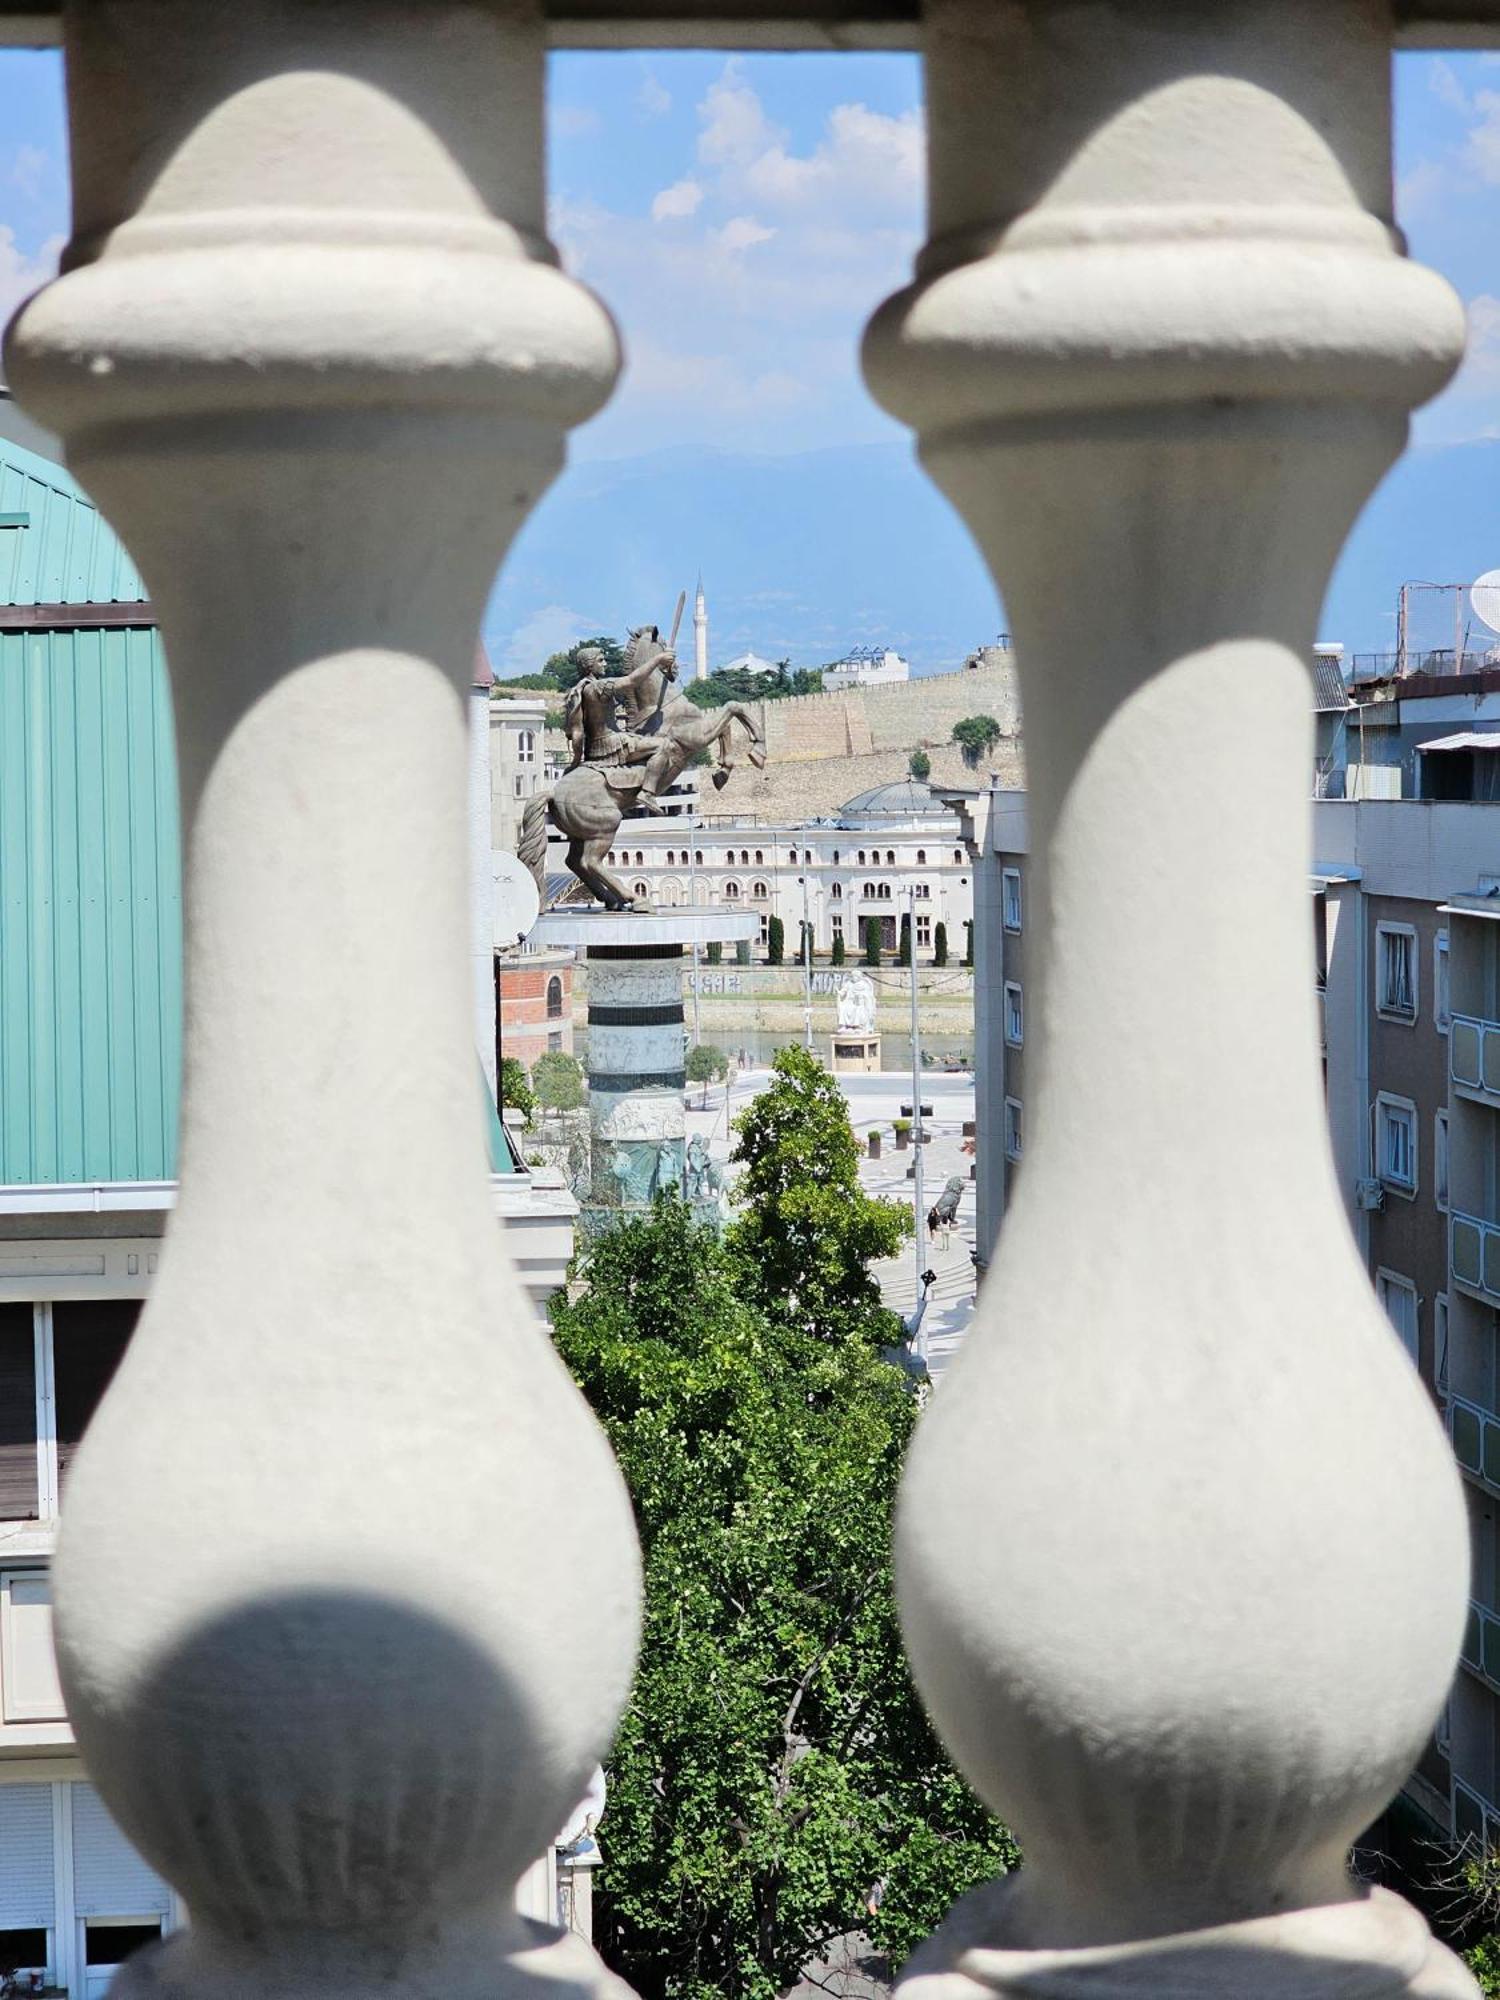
{"x":700,"y":632}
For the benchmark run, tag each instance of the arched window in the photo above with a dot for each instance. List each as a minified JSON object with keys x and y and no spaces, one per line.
{"x":869,"y":892}
{"x":698,"y":856}
{"x":744,"y":857}
{"x":640,"y":859}
{"x":760,"y":859}
{"x":958,"y":856}
{"x":885,"y":891}
{"x":671,"y":857}
{"x":890,"y":857}
{"x":921,"y":857}
{"x":554,"y":998}
{"x":759,"y":891}
{"x":640,"y":890}
{"x":731,"y":892}
{"x":835,"y":857}
{"x":792,"y":855}
{"x":836,"y":892}
{"x":861,"y":857}
{"x":526,"y":747}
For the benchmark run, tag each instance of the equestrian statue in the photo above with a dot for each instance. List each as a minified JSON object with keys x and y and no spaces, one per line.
{"x":632,"y":734}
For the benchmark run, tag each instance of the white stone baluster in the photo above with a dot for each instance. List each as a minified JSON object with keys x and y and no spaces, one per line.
{"x":1181,"y":1550}
{"x":347,"y":1591}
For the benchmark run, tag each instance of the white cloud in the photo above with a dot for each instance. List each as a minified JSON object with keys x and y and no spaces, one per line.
{"x":1419,"y":189}
{"x":653,"y":99}
{"x":1442,"y":81}
{"x":677,"y":202}
{"x":866,"y":155}
{"x":574,"y":121}
{"x":734,"y":128}
{"x":527,"y":649}
{"x":741,"y":232}
{"x":21,"y":275}
{"x":30,"y":169}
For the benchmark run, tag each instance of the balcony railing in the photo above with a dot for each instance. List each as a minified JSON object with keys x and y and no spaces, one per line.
{"x":1474,"y":1256}
{"x":1161,"y":350}
{"x":1475,"y":1434}
{"x":1474,"y":1057}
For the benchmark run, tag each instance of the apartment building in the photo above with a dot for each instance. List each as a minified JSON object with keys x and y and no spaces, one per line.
{"x":90,"y":1056}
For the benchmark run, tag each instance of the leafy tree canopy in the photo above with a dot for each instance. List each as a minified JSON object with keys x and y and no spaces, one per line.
{"x":557,"y":1079}
{"x":919,"y":764}
{"x":705,"y":1064}
{"x":562,"y":669}
{"x":515,"y":1087}
{"x":976,"y":735}
{"x":807,"y":1231}
{"x":774,"y":1763}
{"x":739,"y":684}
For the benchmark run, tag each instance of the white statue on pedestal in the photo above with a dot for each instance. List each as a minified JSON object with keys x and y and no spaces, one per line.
{"x":856,"y":1003}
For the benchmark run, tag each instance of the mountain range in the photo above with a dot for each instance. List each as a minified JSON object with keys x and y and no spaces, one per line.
{"x":804,"y":556}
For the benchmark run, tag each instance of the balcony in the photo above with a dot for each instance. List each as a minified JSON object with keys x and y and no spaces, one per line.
{"x":1474,"y":1058}
{"x":1474,"y":1256}
{"x":1475,"y":1434}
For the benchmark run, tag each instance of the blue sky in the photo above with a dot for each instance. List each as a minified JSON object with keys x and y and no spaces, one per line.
{"x":742,"y":216}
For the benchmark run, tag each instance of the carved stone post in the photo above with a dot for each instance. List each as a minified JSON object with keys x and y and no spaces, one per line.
{"x":347,"y":1590}
{"x":1181,"y":1549}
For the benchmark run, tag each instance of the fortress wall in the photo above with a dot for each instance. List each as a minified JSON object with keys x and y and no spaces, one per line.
{"x":858,"y":721}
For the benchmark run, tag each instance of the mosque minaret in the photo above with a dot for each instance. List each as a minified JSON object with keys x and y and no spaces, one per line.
{"x":700,"y":633}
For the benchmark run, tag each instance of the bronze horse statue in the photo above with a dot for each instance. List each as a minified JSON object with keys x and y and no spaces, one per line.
{"x":661,"y":728}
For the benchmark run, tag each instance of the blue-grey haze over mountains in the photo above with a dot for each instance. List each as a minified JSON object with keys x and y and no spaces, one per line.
{"x":806,"y":554}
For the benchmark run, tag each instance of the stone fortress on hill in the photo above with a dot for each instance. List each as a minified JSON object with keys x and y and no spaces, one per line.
{"x":821,"y":748}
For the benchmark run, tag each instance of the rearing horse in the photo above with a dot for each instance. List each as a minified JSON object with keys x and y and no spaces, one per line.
{"x":588,"y":803}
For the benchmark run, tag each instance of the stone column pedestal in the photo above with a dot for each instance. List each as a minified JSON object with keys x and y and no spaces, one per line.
{"x":637,"y":1045}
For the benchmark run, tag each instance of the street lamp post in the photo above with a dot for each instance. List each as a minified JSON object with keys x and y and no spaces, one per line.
{"x":916,"y":1110}
{"x":806,"y":964}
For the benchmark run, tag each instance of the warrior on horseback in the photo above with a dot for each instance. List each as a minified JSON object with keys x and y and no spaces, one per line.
{"x":616,"y":769}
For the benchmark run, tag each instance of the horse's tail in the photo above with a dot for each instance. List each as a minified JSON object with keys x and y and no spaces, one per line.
{"x":531,"y":848}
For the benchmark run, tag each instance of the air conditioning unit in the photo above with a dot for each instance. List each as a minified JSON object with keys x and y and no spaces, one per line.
{"x":1369,"y":1194}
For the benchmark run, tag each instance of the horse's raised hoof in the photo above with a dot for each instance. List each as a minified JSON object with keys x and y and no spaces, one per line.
{"x":757,"y":757}
{"x":721,"y":779}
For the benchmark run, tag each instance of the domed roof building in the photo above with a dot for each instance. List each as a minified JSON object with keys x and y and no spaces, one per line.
{"x":905,"y":799}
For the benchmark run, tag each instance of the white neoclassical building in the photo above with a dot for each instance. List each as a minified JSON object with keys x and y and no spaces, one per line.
{"x":348,"y":1591}
{"x":889,"y":852}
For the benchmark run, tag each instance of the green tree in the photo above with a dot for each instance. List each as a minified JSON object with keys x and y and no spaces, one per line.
{"x":903,"y":948}
{"x":940,"y":944}
{"x":968,"y":941}
{"x":807,"y":1229}
{"x":775,"y":941}
{"x":976,"y":736}
{"x":740,"y":684}
{"x":515,"y":1088}
{"x":705,"y":1065}
{"x":872,"y":940}
{"x":836,"y":954}
{"x":774,"y":1762}
{"x":919,"y":764}
{"x":742,"y":951}
{"x":557,"y":1079}
{"x":562,"y":669}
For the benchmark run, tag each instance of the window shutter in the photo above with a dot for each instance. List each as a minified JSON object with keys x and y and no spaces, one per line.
{"x":26,"y":1885}
{"x":109,"y":1878}
{"x":18,"y":1489}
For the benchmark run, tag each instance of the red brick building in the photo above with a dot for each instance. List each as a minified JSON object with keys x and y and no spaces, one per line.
{"x":533,"y":1003}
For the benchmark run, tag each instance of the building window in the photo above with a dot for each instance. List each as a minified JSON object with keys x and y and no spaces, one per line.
{"x":890,"y":857}
{"x":554,"y":998}
{"x":836,"y":925}
{"x":924,"y":931}
{"x":671,"y":857}
{"x":760,"y":859}
{"x":1014,"y":1019}
{"x":1440,"y":1009}
{"x":526,"y":747}
{"x":924,"y":892}
{"x":554,"y":1041}
{"x":861,"y":857}
{"x":1440,"y":1341}
{"x":1010,"y":898}
{"x":744,"y":857}
{"x":1399,"y":1297}
{"x":759,"y":891}
{"x":518,"y":785}
{"x":835,"y":857}
{"x":1012,"y":1128}
{"x":869,"y":892}
{"x":921,"y":857}
{"x":836,"y":892}
{"x":640,"y":891}
{"x":765,"y":928}
{"x":1396,"y":1142}
{"x":792,"y":857}
{"x":698,"y":857}
{"x":958,"y":856}
{"x":886,"y":892}
{"x":731,"y":892}
{"x":1440,"y":1160}
{"x":1396,"y":976}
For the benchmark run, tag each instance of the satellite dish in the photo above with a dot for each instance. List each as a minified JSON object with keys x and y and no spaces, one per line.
{"x":516,"y":902}
{"x":1485,"y":599}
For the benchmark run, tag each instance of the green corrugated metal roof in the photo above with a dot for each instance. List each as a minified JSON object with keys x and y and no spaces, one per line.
{"x":90,"y":861}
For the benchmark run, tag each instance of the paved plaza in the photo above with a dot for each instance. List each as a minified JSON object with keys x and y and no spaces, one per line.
{"x":874,"y":1101}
